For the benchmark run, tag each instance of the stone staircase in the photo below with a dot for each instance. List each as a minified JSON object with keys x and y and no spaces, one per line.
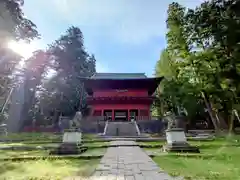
{"x":122,"y":129}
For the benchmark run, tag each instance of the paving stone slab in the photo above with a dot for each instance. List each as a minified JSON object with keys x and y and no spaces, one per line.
{"x":119,"y":143}
{"x":128,"y":163}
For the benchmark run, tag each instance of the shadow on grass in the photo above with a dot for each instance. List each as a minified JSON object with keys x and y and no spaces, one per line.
{"x":8,"y":166}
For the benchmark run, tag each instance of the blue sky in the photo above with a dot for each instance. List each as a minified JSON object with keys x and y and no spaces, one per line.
{"x":124,"y":35}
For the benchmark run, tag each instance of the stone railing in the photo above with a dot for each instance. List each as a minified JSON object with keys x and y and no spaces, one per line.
{"x":137,"y":128}
{"x":105,"y":128}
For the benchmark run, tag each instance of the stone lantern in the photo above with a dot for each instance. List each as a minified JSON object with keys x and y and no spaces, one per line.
{"x":175,"y":135}
{"x":72,"y":138}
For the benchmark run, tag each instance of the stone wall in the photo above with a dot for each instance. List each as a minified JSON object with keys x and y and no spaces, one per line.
{"x":88,"y":126}
{"x":151,"y":126}
{"x":145,"y":126}
{"x":97,"y":126}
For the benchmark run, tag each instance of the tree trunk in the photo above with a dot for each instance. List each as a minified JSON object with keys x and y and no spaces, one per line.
{"x":56,"y":117}
{"x":231,"y":122}
{"x":161,"y":108}
{"x":221,"y":121}
{"x":210,"y":111}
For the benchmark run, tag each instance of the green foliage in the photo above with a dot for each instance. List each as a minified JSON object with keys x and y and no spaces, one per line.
{"x":65,"y":92}
{"x":203,"y":50}
{"x":67,"y":56}
{"x":14,"y":25}
{"x":34,"y":72}
{"x":165,"y":67}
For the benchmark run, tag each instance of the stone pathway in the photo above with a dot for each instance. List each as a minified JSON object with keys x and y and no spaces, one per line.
{"x":128,"y":163}
{"x":122,"y":143}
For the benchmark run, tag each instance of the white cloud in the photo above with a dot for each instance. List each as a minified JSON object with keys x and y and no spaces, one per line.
{"x":134,"y":22}
{"x":128,"y":22}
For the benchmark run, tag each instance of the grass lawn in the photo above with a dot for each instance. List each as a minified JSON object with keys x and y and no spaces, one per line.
{"x":152,"y":143}
{"x":218,"y":160}
{"x":21,"y":153}
{"x":18,"y":153}
{"x":38,"y":139}
{"x":46,"y":169}
{"x":43,"y":137}
{"x":96,"y":144}
{"x":8,"y":153}
{"x":89,"y":136}
{"x":32,"y":136}
{"x":26,"y":144}
{"x":95,"y":152}
{"x":41,"y":152}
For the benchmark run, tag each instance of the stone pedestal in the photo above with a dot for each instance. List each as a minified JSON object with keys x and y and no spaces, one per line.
{"x":71,"y":144}
{"x":177,"y":142}
{"x":72,"y":137}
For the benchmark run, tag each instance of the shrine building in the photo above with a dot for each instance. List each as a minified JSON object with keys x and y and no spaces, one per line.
{"x":121,"y":96}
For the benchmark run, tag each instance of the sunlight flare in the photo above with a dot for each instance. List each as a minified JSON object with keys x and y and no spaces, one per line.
{"x":23,"y":49}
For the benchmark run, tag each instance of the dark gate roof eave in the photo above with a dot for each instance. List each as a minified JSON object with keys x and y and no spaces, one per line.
{"x":154,"y":81}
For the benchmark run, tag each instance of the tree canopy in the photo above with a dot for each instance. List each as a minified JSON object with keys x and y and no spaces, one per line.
{"x":14,"y":26}
{"x":64,"y":93}
{"x":61,"y":93}
{"x":203,"y":50}
{"x":200,"y":64}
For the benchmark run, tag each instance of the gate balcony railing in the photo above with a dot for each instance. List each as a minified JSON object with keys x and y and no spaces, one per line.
{"x":105,"y":118}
